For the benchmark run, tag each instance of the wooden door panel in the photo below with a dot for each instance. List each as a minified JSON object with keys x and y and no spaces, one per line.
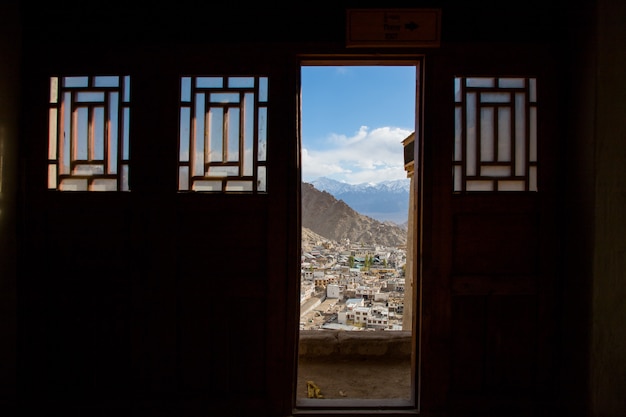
{"x":468,"y":345}
{"x":493,"y":343}
{"x":511,"y":339}
{"x":489,"y":276}
{"x":495,"y":243}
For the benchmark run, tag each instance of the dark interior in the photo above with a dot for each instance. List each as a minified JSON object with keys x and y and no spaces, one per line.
{"x":156,"y":302}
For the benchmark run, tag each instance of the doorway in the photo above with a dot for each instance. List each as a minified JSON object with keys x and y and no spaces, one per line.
{"x":358,"y":322}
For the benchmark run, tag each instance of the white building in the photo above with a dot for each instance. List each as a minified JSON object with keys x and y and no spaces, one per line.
{"x":359,"y":316}
{"x":334,"y":291}
{"x":349,"y":316}
{"x":378,"y":317}
{"x":307,"y":289}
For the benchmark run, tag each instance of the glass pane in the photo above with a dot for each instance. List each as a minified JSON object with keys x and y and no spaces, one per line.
{"x":495,"y":97}
{"x":197,"y":148}
{"x":52,"y":176}
{"x":261,"y":180}
{"x":224,"y":98}
{"x":69,"y":82}
{"x":66,"y":134}
{"x":126,"y":89}
{"x":511,"y":185}
{"x":240,"y":82}
{"x":262,"y":135}
{"x":533,"y":134}
{"x":239,"y":186}
{"x":486,"y":134}
{"x":495,"y":171}
{"x":471,"y":135}
{"x":87,"y":169}
{"x":107,"y":81}
{"x":90,"y":96}
{"x":248,"y":134}
{"x":125,"y":138}
{"x":185,"y":116}
{"x":511,"y":82}
{"x":207,"y":186}
{"x":216,"y":117}
{"x":183,"y":178}
{"x":479,"y":185}
{"x":504,"y":134}
{"x":457,"y":90}
{"x":73,"y":184}
{"x":185,"y":89}
{"x":458,"y":178}
{"x":458,"y":128}
{"x":81,"y":133}
{"x":209,"y":82}
{"x":113,"y":132}
{"x":532,"y":87}
{"x":480,"y":82}
{"x":520,"y":134}
{"x":223,"y":171}
{"x":54,"y":89}
{"x":532,"y":175}
{"x":52,"y":134}
{"x":98,"y":132}
{"x":125,"y":175}
{"x":104,"y":184}
{"x":263,"y":89}
{"x":233,"y":135}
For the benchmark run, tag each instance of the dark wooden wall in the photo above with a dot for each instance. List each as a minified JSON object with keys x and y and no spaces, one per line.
{"x":160,"y":303}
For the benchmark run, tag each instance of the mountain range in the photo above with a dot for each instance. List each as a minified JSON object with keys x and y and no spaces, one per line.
{"x":327,"y":216}
{"x":386,"y":201}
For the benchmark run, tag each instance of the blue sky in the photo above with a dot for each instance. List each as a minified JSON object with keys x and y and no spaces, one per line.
{"x":354,"y":119}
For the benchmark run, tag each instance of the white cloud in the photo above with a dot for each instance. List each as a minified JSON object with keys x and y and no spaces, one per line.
{"x":368,"y":156}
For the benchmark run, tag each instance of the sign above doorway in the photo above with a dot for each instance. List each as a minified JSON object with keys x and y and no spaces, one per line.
{"x":393,"y":28}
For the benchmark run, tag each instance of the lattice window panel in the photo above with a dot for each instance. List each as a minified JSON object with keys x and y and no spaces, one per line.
{"x":495,"y":145}
{"x":88,"y":133}
{"x":223,"y":134}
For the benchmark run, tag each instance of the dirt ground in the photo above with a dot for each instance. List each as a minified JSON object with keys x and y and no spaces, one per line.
{"x":363,"y":379}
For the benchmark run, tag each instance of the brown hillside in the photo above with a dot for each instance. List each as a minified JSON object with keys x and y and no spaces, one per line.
{"x":335,"y":220}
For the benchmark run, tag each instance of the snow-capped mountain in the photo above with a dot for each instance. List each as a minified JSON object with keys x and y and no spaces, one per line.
{"x":383,"y":201}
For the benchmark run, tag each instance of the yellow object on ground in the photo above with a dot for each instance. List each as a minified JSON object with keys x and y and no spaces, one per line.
{"x":313,"y":391}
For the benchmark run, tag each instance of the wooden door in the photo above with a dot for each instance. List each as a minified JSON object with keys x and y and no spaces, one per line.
{"x":156,"y":295}
{"x":489,"y":245}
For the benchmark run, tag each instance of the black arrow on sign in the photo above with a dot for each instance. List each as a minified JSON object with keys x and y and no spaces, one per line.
{"x":411,"y":26}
